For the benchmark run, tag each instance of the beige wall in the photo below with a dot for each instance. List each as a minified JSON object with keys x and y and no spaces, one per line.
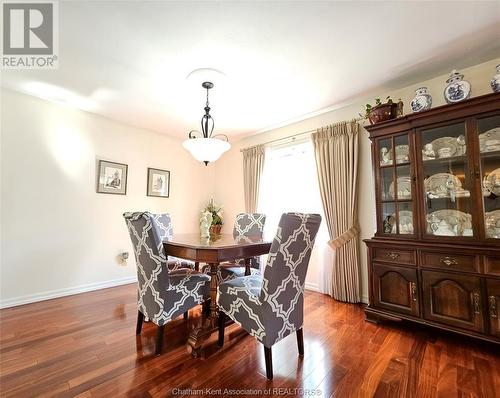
{"x":229,"y":185}
{"x":58,"y":235}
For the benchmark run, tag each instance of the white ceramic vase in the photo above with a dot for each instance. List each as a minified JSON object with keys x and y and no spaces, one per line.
{"x":495,"y":82}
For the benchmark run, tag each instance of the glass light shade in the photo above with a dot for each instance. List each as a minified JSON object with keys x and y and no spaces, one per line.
{"x":206,"y":149}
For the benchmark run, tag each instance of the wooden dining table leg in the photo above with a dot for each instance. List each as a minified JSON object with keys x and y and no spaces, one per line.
{"x":198,"y":335}
{"x":214,"y":310}
{"x":247,"y":266}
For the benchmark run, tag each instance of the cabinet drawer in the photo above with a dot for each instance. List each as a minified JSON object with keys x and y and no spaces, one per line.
{"x":450,"y":261}
{"x":492,"y":265}
{"x":395,"y":256}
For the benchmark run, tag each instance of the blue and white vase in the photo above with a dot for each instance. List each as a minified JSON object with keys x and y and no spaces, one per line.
{"x":457,"y":89}
{"x":422,"y":100}
{"x":495,"y":82}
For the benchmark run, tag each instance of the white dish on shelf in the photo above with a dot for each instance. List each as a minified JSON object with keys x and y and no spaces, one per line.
{"x":449,"y":222}
{"x":491,"y":183}
{"x":492,"y":224}
{"x":445,"y":147}
{"x":405,"y":223}
{"x":402,"y":153}
{"x":404,"y":188}
{"x":444,"y":185}
{"x":490,"y":140}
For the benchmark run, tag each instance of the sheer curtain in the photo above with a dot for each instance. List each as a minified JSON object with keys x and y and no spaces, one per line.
{"x":290,"y":183}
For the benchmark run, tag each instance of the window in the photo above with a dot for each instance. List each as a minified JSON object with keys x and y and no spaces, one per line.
{"x":290,"y":184}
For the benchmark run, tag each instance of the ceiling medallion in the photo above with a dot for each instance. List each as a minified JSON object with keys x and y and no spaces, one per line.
{"x":204,"y":146}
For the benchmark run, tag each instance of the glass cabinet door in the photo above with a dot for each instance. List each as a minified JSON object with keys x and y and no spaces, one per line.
{"x":447,"y":181}
{"x":395,"y":185}
{"x":489,"y":154}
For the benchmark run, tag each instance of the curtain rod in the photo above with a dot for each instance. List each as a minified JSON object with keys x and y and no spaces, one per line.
{"x":293,"y":136}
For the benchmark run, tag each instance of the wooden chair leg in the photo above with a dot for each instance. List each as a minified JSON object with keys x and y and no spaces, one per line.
{"x":268,"y":354}
{"x":206,"y":307}
{"x":222,"y":327}
{"x":196,"y":266}
{"x":186,"y":315}
{"x":159,"y":339}
{"x":300,"y":341}
{"x":140,"y":319}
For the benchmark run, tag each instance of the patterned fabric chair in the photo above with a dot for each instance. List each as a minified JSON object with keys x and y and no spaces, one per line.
{"x":271,"y":307}
{"x":245,"y":225}
{"x":165,"y":231}
{"x":163,"y":294}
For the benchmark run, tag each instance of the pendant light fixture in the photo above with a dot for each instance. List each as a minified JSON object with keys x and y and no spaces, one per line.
{"x":204,"y":146}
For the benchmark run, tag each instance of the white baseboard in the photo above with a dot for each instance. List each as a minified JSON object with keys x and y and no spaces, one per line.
{"x":313,"y":287}
{"x":32,"y":298}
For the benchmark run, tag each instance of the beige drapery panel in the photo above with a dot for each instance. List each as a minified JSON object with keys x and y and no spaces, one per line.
{"x":336,"y":153}
{"x":253,"y":164}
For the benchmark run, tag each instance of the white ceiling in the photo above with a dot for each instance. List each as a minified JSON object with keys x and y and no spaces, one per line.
{"x":129,"y":60}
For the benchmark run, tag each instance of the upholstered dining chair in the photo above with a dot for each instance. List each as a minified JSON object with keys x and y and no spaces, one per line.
{"x":163,"y":294}
{"x":270,"y":307}
{"x":165,"y":231}
{"x":245,"y":225}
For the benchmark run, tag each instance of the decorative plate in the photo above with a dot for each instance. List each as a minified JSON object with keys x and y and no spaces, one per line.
{"x":405,"y":222}
{"x":490,"y":140}
{"x":404,"y":188}
{"x":445,"y":147}
{"x":444,"y":185}
{"x":491,"y":183}
{"x":449,"y":222}
{"x":402,"y":153}
{"x":492,"y":223}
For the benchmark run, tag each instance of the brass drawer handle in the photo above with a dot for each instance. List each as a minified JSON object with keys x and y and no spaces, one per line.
{"x":413,"y":291}
{"x":492,"y":301}
{"x":448,"y":261}
{"x":476,"y":302}
{"x":392,"y":255}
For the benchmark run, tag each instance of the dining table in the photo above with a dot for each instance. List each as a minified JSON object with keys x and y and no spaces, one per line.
{"x":213,"y":251}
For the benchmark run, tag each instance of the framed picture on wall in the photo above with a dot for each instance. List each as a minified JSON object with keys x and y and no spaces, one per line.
{"x":112,"y":177}
{"x":158,"y":183}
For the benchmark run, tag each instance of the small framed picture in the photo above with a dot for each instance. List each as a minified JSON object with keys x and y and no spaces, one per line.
{"x":158,"y":183}
{"x":112,"y":177}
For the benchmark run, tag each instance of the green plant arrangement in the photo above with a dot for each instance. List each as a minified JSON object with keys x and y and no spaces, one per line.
{"x":216,"y":212}
{"x":381,"y":112}
{"x":369,"y":107}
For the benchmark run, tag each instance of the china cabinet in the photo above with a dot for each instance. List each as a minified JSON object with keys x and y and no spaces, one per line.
{"x":435,"y":256}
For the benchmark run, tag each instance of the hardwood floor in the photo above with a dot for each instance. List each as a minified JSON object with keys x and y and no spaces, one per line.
{"x":85,"y":345}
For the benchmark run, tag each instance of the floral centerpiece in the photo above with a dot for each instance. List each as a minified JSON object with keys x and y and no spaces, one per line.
{"x":216,"y":212}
